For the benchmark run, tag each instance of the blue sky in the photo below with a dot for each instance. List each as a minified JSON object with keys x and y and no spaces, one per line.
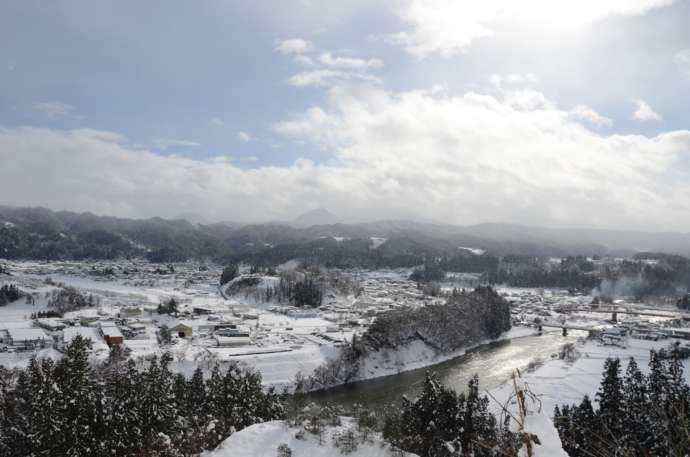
{"x":373,"y":109}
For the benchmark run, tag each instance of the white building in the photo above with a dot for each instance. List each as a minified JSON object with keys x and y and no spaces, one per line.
{"x":27,"y":338}
{"x":232,"y":341}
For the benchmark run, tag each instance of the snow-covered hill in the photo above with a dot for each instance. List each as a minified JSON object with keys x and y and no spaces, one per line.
{"x":262,"y":440}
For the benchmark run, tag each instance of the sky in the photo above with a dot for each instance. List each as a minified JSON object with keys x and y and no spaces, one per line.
{"x":538,"y":112}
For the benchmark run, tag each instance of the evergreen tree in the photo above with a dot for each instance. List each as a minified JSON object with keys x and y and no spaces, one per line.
{"x":123,"y":410}
{"x":650,"y":413}
{"x":72,"y":409}
{"x":165,"y":335}
{"x":585,"y":431}
{"x":157,"y":404}
{"x":229,"y":273}
{"x":636,"y":421}
{"x":15,"y":429}
{"x":46,"y":429}
{"x":479,"y":432}
{"x":610,"y":398}
{"x":79,"y":403}
{"x":440,"y":422}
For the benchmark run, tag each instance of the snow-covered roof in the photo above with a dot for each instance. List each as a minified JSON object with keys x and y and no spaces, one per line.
{"x":26,"y":334}
{"x":177,"y":323}
{"x":111,"y":332}
{"x":86,"y":332}
{"x":233,"y":340}
{"x":51,"y":322}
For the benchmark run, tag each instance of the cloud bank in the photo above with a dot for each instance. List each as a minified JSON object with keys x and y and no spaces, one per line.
{"x":462,"y":159}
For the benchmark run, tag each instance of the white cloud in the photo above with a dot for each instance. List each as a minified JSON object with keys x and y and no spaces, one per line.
{"x":419,"y":154}
{"x":217,"y":122}
{"x":305,"y":61}
{"x":165,"y":143}
{"x":513,"y":79}
{"x":325,"y":76}
{"x":293,"y":46}
{"x":447,"y":27}
{"x":588,"y":114}
{"x":644,"y":112}
{"x":527,"y":99}
{"x":329,"y":60}
{"x":328,"y":69}
{"x":54,"y":109}
{"x":476,"y":158}
{"x":682,"y":59}
{"x":244,"y":136}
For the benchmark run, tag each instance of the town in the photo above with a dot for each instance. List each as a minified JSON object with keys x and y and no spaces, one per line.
{"x":147,"y":309}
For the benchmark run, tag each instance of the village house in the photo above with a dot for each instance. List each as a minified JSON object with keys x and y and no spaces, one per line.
{"x":51,"y":324}
{"x":111,"y":333}
{"x":27,"y":338}
{"x":129,"y":312}
{"x":90,"y":333}
{"x":181,"y":329}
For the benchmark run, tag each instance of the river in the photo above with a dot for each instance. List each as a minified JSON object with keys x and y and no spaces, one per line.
{"x":493,"y":363}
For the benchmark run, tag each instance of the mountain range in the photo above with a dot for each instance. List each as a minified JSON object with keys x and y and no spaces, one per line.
{"x":40,"y":233}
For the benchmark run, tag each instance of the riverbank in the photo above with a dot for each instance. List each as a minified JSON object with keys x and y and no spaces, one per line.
{"x":418,"y":354}
{"x":558,"y":382}
{"x":493,"y":362}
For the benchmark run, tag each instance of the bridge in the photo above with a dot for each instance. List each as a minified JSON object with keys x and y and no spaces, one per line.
{"x":570,"y":327}
{"x":628,"y":310}
{"x":567,"y":327}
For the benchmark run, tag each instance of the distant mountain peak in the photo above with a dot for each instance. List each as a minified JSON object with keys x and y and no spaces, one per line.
{"x":193,"y":218}
{"x":318,"y":216}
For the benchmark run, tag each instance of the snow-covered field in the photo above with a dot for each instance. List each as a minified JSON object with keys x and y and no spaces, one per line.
{"x":558,"y":381}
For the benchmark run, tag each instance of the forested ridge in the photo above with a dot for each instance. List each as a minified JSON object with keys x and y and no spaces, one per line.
{"x":36,"y":233}
{"x":465,"y":319}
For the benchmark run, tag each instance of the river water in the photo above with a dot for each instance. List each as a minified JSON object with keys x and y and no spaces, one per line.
{"x":493,"y":362}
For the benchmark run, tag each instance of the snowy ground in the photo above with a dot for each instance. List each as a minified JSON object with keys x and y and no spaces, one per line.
{"x":262,"y":440}
{"x":558,"y":381}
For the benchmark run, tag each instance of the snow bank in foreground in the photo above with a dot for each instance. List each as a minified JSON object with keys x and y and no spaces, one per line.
{"x":263,"y":440}
{"x":539,"y":424}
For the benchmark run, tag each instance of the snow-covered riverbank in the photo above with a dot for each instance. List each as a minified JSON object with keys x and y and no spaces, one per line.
{"x":561,"y":382}
{"x":418,"y":355}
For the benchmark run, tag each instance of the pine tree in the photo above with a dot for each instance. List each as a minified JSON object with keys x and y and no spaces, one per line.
{"x":78,"y":403}
{"x":636,"y":424}
{"x":46,"y":422}
{"x":158,"y":412}
{"x":15,"y":411}
{"x":585,"y":431}
{"x":610,"y":398}
{"x":677,"y":407}
{"x":479,"y":434}
{"x":657,"y":388}
{"x":123,"y":412}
